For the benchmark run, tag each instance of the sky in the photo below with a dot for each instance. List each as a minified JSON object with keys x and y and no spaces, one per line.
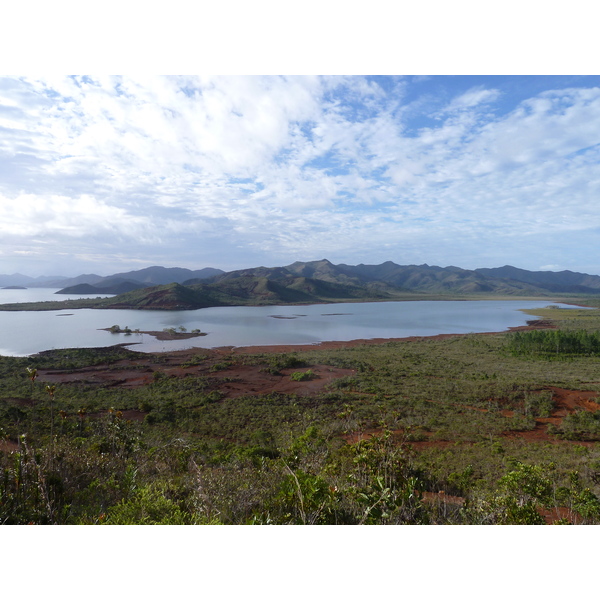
{"x":439,"y":133}
{"x":111,"y":173}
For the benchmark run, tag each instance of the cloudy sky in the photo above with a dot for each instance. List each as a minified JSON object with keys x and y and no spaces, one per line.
{"x":104,"y":174}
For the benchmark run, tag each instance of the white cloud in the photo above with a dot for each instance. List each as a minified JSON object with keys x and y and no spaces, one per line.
{"x":473,"y":97}
{"x":281,"y":165}
{"x":61,"y":216}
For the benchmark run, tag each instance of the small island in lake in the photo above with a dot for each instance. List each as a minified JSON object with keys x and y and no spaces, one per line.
{"x":14,"y":287}
{"x":169,"y":333}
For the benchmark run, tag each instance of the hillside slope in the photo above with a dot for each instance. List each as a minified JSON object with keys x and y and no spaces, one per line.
{"x":319,"y":281}
{"x":389,"y":279}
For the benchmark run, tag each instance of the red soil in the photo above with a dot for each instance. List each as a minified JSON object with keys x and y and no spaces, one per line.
{"x":566,"y":402}
{"x":232,"y":381}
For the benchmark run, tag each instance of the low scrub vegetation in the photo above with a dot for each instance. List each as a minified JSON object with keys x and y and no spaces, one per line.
{"x":462,"y":430}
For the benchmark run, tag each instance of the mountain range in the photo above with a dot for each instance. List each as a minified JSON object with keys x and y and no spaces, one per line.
{"x":112,"y":284}
{"x":390,"y":279}
{"x":309,"y":282}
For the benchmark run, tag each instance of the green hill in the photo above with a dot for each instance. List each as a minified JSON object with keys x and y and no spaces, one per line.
{"x":321,"y":281}
{"x":172,"y":296}
{"x":387,"y":280}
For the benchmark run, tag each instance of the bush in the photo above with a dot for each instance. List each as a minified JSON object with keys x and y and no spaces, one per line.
{"x":282,"y":361}
{"x":147,"y":507}
{"x":302,"y":375}
{"x":581,"y":425}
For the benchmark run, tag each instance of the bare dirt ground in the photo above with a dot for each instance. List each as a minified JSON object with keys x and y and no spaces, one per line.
{"x":231,"y":380}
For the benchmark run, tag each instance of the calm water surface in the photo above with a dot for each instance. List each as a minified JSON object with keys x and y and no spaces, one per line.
{"x":23,"y":332}
{"x":41,"y":295}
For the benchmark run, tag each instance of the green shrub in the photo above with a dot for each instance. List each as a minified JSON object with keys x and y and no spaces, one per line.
{"x":147,"y":507}
{"x":581,"y":425}
{"x":277,"y":362}
{"x":302,"y":375}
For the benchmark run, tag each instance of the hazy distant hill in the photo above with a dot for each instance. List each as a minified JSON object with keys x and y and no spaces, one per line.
{"x":89,"y":279}
{"x":25,"y":280}
{"x":114,"y":285}
{"x":124,"y":282}
{"x":162,"y":275}
{"x":561,"y":281}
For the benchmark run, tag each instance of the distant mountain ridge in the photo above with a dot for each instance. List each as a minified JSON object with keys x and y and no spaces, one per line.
{"x":318,"y":281}
{"x":162,"y":275}
{"x":26,"y":281}
{"x":125,"y":282}
{"x":391,"y":278}
{"x":561,"y":281}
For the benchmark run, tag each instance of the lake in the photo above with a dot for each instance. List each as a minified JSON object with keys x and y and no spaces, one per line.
{"x":23,"y":333}
{"x":41,"y":295}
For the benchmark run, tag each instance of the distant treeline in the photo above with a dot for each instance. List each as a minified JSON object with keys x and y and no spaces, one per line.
{"x":554,"y":342}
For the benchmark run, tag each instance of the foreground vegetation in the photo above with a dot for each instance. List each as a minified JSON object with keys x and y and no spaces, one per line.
{"x":427,"y":432}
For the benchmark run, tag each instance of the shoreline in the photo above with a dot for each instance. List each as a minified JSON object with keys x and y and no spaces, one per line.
{"x":83,"y":304}
{"x":332,"y":345}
